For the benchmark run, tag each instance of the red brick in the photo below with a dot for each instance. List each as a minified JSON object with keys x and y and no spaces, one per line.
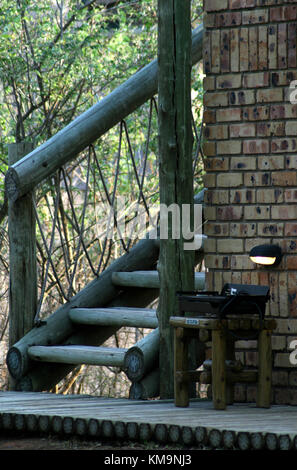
{"x":229,"y":147}
{"x":229,"y":81}
{"x":283,"y":77}
{"x":229,"y":114}
{"x":271,"y":162}
{"x":218,"y":132}
{"x":242,"y":196}
{"x":207,"y":51}
{"x":209,"y":83}
{"x":276,"y":129}
{"x":292,"y":45}
{"x":209,"y":20}
{"x":255,"y":16}
{"x":291,"y":195}
{"x":283,"y":13}
{"x":237,"y":4}
{"x":209,"y":116}
{"x":225,"y":49}
{"x":272,"y":46}
{"x":243,"y":163}
{"x":234,"y":50}
{"x":228,"y":180}
{"x":243,"y":229}
{"x":292,"y":262}
{"x":268,"y":229}
{"x":215,"y":51}
{"x":216,"y":164}
{"x":244,"y":49}
{"x":283,"y":145}
{"x":215,"y":5}
{"x":256,"y":113}
{"x":215,"y":99}
{"x":270,"y":95}
{"x":267,"y":195}
{"x":256,"y":80}
{"x":209,"y":180}
{"x":255,"y":146}
{"x":241,"y":97}
{"x":228,"y":19}
{"x":263,"y":47}
{"x":291,"y":162}
{"x":288,"y":212}
{"x":242,"y":130}
{"x":257,"y":212}
{"x":230,"y":213}
{"x":290,"y":229}
{"x":282,"y":46}
{"x":277,"y":111}
{"x":214,"y":229}
{"x":253,"y":48}
{"x":209,"y":149}
{"x":284,"y":178}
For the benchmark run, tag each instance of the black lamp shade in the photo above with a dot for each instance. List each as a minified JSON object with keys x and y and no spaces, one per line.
{"x":267,"y":255}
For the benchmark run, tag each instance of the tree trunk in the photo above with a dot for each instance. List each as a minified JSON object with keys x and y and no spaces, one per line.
{"x":176,"y":266}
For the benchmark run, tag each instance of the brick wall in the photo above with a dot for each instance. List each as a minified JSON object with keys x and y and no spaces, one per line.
{"x":250,"y":148}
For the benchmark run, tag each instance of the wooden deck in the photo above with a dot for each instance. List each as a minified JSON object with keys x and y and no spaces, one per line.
{"x":240,"y":426}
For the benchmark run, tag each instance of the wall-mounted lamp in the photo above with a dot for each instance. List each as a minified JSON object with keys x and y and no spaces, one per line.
{"x":266,"y":255}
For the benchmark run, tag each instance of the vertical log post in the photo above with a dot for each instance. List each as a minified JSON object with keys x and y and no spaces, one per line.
{"x":181,"y":388}
{"x":219,"y":388}
{"x":264,"y":369}
{"x":176,"y":265}
{"x":22,"y":245}
{"x":230,"y":355}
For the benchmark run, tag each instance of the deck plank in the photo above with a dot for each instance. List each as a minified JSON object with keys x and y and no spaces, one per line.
{"x":278,"y":419}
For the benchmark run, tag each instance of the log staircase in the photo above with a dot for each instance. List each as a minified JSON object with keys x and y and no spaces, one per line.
{"x":116,"y":299}
{"x":139,"y":362}
{"x":121,"y":294}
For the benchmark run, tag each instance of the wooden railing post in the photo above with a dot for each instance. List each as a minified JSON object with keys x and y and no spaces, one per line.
{"x":22,"y":247}
{"x":176,"y":265}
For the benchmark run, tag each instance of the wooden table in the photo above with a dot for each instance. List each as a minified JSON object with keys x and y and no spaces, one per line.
{"x":223,"y":336}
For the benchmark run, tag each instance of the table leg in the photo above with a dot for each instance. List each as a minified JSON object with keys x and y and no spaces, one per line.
{"x":264,"y":369}
{"x":219,"y":388}
{"x":230,"y":355}
{"x":181,"y":387}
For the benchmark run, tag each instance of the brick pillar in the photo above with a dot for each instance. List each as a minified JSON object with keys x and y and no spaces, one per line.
{"x":250,"y":148}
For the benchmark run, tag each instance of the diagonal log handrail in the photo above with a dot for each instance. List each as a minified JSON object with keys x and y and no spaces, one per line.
{"x":42,"y":162}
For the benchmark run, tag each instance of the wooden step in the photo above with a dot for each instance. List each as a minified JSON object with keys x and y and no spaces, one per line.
{"x":149,"y":279}
{"x":73,"y":354}
{"x":134,"y":317}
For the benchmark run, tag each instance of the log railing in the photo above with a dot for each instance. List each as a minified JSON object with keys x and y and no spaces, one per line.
{"x":70,"y":184}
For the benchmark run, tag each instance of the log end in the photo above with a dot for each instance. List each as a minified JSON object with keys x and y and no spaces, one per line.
{"x":12,"y":185}
{"x":134,"y":364}
{"x":14,"y":363}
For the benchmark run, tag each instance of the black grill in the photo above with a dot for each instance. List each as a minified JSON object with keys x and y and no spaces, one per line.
{"x":235,"y":299}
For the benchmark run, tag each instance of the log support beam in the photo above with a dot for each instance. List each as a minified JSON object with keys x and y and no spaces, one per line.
{"x":176,"y":265}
